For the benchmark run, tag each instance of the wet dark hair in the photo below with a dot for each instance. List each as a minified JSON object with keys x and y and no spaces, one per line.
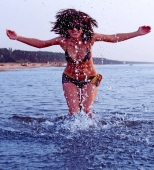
{"x":65,"y":20}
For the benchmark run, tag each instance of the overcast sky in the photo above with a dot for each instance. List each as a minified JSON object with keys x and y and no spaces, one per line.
{"x":31,"y":18}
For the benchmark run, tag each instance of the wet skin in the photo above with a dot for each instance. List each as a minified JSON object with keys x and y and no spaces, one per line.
{"x":77,"y":49}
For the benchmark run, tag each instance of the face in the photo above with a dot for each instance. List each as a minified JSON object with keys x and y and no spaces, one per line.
{"x":75,"y":30}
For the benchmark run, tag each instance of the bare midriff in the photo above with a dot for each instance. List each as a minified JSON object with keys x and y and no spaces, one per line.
{"x":80,"y":70}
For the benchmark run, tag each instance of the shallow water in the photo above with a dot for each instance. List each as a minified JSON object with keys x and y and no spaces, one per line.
{"x":36,"y":131}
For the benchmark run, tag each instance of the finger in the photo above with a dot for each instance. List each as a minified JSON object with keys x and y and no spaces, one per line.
{"x":148,"y":27}
{"x":10,"y":32}
{"x":7,"y":32}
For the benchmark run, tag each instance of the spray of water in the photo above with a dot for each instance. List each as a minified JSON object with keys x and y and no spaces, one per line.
{"x":81,"y":121}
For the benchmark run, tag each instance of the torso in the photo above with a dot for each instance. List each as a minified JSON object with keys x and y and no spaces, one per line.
{"x":81,"y":66}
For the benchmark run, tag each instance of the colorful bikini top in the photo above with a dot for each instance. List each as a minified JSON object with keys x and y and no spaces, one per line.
{"x":70,"y":60}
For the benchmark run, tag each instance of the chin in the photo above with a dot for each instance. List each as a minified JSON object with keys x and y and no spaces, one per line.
{"x":75,"y":36}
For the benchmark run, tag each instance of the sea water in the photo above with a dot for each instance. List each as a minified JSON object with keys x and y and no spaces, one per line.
{"x":37,"y":132}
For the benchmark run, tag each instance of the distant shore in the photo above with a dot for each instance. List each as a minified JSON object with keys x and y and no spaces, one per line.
{"x":14,"y":66}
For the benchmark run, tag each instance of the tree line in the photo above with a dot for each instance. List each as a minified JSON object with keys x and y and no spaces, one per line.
{"x":20,"y":56}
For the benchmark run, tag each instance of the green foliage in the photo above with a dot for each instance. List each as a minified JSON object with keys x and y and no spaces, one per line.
{"x":19,"y":56}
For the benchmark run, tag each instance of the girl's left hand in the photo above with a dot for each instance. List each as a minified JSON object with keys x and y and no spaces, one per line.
{"x":144,"y":30}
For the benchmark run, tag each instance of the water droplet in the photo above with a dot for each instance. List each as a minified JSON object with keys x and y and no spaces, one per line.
{"x":80,"y":42}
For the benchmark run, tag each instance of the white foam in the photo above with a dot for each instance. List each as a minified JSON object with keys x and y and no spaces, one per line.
{"x":81,"y":121}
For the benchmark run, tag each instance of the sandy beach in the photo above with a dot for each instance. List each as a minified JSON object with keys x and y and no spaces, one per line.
{"x":12,"y":66}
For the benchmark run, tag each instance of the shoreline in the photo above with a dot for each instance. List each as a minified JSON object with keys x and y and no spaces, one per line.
{"x":14,"y":66}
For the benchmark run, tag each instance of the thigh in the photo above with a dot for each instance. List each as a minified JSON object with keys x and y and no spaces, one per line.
{"x":89,"y":92}
{"x":72,"y":95}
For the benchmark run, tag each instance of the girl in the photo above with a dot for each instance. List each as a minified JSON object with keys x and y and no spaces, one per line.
{"x":80,"y":79}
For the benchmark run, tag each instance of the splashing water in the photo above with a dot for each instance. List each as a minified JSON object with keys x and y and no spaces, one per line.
{"x":78,"y":122}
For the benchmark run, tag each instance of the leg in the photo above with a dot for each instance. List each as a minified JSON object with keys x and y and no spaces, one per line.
{"x":72,"y":95}
{"x":88,"y":95}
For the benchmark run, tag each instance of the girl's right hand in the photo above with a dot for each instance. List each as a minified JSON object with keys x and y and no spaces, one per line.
{"x":12,"y":34}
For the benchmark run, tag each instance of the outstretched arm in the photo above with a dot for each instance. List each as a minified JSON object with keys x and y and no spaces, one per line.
{"x":122,"y":36}
{"x":32,"y":41}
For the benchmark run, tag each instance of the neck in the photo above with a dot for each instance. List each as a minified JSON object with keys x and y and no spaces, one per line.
{"x":75,"y":40}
